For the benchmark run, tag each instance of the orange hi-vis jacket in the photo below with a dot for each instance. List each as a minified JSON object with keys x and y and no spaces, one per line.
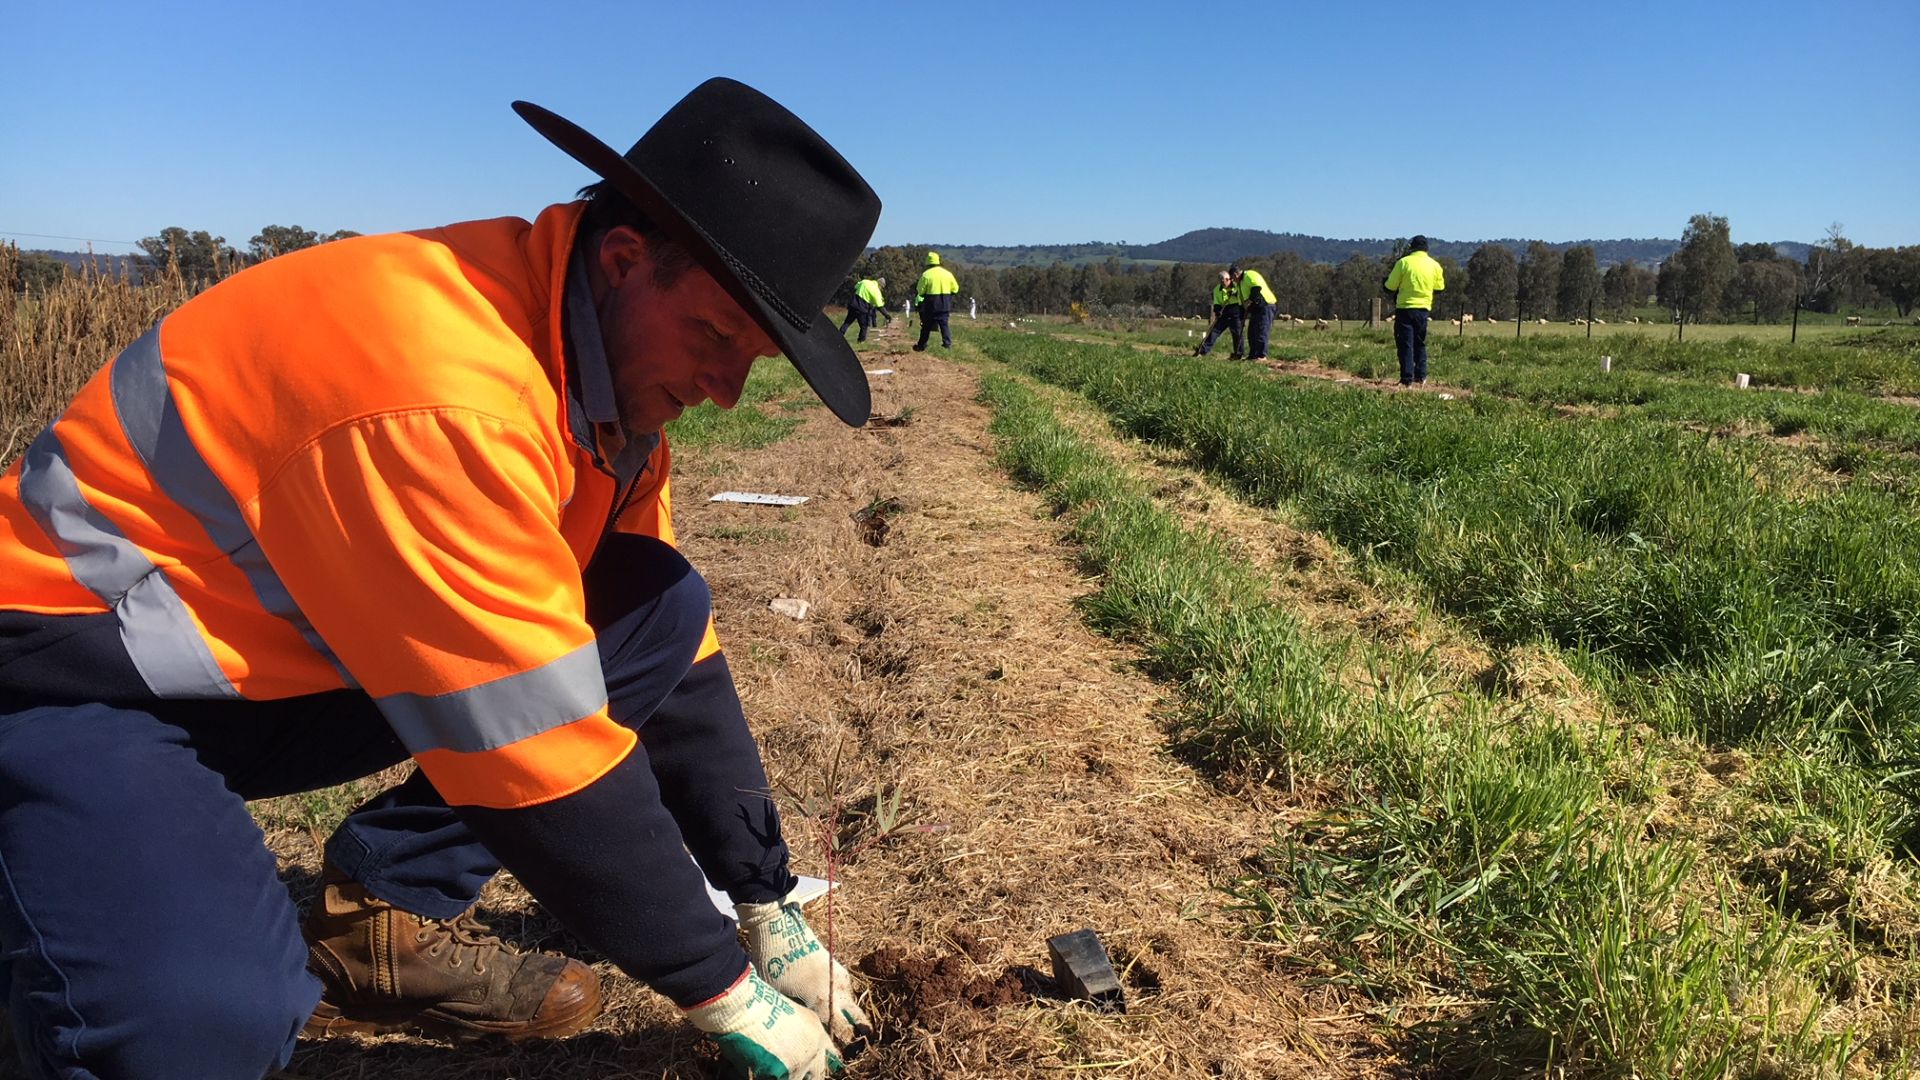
{"x":351,"y":466}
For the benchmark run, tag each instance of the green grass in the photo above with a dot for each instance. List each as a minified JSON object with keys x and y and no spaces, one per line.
{"x":766,"y":413}
{"x":1495,"y":863}
{"x":1690,"y":384}
{"x":1703,"y":583}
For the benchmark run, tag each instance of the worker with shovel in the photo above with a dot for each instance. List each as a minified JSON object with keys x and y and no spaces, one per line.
{"x":1226,"y":316}
{"x":867,"y":303}
{"x":406,"y":496}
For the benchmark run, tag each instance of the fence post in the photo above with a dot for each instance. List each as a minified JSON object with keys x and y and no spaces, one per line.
{"x":1795,"y":338}
{"x":1373,"y":314}
{"x":1589,"y":318}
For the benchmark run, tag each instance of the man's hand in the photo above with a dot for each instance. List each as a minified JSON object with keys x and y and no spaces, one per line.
{"x":786,"y":953}
{"x":763,"y":1035}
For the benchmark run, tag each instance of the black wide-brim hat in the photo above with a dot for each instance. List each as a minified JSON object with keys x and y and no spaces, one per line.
{"x":772,"y":211}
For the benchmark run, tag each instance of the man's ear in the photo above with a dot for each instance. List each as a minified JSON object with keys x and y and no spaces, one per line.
{"x":623,"y":252}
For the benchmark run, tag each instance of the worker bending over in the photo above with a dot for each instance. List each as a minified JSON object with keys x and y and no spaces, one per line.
{"x":407,"y":496}
{"x":1258,"y":301}
{"x":1226,"y":316}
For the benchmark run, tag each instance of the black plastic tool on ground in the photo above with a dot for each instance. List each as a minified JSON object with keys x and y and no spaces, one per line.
{"x":1081,"y":968}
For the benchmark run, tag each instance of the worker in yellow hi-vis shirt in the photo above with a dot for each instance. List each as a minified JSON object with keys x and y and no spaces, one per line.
{"x":933,"y":295}
{"x":1257,"y":301}
{"x":867,"y":303}
{"x":1226,"y":316}
{"x":1413,"y":280}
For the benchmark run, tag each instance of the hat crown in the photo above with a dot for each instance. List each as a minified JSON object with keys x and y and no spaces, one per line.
{"x":783,"y":208}
{"x":762,"y":201}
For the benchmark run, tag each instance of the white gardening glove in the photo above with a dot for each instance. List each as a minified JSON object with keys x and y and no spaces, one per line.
{"x":765,"y":1036}
{"x":786,"y":953}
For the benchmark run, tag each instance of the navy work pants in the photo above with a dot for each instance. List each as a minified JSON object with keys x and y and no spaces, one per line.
{"x":143,"y":931}
{"x":1259,"y":325}
{"x":931,"y":317}
{"x":1229,"y":320}
{"x":858,"y":311}
{"x":1410,"y":341}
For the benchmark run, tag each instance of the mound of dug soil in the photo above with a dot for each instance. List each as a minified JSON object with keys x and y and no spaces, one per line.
{"x":912,"y":985}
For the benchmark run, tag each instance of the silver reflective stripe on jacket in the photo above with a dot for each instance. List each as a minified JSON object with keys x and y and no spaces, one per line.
{"x":503,"y":711}
{"x":159,"y":634}
{"x":153,"y":426}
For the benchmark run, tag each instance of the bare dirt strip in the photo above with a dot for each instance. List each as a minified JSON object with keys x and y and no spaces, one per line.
{"x":942,"y":664}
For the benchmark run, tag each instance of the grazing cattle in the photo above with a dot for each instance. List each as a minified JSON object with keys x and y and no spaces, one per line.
{"x":1853,"y":320}
{"x":1542,"y":322}
{"x":1490,"y":319}
{"x":1319,"y":324}
{"x":1468,"y":317}
{"x":1455,"y":322}
{"x":1577,"y":322}
{"x":1599,"y":322}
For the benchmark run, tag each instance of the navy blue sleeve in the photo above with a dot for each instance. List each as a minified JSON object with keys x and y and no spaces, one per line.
{"x":607,"y":861}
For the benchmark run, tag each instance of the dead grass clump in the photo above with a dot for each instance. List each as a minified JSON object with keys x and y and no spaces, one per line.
{"x":52,"y":341}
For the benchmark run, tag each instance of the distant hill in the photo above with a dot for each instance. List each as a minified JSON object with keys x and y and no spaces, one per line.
{"x":1000,"y":258}
{"x":112,"y":265}
{"x":1226,"y":245}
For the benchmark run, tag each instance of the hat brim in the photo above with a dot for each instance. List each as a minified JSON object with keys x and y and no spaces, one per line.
{"x":819,"y":352}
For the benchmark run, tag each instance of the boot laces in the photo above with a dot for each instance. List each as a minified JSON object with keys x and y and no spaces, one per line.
{"x":462,"y":934}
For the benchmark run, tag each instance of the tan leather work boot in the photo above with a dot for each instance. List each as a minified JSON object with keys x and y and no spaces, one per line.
{"x":384,"y":970}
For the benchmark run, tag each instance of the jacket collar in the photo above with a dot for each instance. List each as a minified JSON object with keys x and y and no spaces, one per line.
{"x":593,"y":412}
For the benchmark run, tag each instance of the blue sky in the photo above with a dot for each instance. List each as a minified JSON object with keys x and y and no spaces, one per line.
{"x":987,"y":123}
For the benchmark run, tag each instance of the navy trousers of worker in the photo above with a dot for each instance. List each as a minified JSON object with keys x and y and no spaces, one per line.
{"x":1229,"y":320}
{"x":143,"y":930}
{"x":932,"y":315}
{"x":1410,"y":341}
{"x":1259,"y":325}
{"x":858,"y":311}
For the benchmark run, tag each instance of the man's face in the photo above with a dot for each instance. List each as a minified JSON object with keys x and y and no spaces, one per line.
{"x":670,"y":347}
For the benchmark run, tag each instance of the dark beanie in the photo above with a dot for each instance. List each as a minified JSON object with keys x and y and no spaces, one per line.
{"x":1418,"y":243}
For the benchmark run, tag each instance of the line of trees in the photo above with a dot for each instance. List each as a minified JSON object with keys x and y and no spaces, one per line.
{"x":1708,"y":278}
{"x":203,"y":257}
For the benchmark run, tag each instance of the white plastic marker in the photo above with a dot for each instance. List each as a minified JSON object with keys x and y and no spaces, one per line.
{"x":791,"y":606}
{"x":1606,"y":363}
{"x":757,"y":499}
{"x":806,"y":891}
{"x":880,"y":371}
{"x":1741,"y":379}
